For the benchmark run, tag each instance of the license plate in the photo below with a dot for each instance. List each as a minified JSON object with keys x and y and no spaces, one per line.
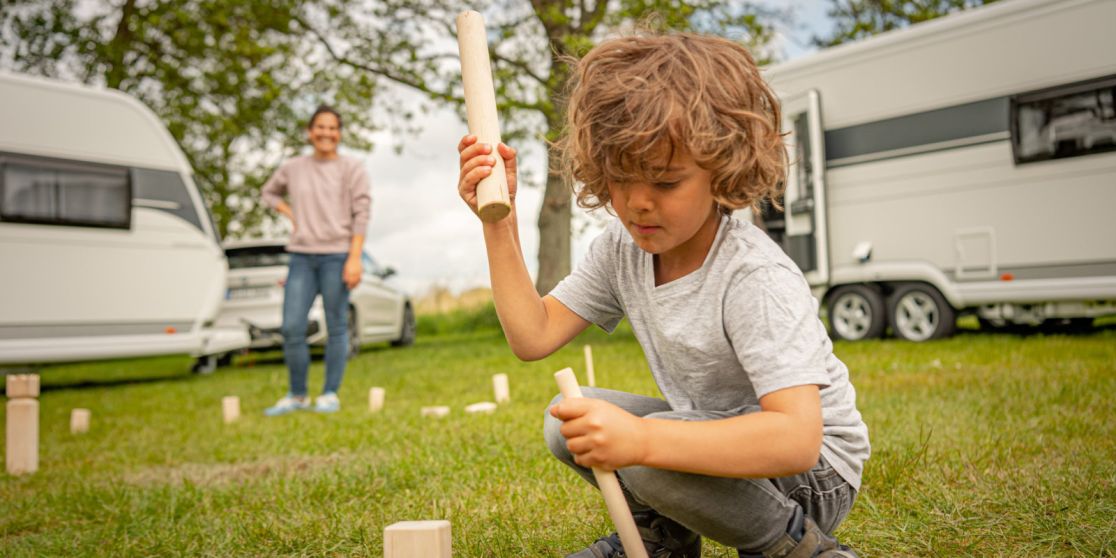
{"x":243,"y":293}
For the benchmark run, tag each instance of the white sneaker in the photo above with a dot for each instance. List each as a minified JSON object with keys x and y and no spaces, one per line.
{"x":327,"y":403}
{"x":288,"y":404}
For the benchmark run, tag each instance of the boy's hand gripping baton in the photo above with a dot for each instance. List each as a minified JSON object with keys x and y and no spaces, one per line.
{"x":493,"y":202}
{"x":608,"y":483}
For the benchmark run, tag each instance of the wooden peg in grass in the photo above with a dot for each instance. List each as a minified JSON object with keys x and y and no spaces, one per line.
{"x":500,"y":388}
{"x":590,"y":377}
{"x":230,"y":408}
{"x":79,"y":421}
{"x":375,"y":399}
{"x":22,"y":429}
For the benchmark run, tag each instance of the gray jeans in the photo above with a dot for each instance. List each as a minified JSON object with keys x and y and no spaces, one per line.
{"x":747,"y":514}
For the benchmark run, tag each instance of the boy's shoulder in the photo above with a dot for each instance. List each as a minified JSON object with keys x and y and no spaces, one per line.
{"x":746,"y":249}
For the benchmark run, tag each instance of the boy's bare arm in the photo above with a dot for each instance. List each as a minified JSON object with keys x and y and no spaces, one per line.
{"x":783,"y":439}
{"x":534,"y":326}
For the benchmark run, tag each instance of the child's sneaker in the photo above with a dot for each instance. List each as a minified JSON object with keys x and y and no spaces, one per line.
{"x":327,"y":403}
{"x":662,"y":537}
{"x":288,"y":404}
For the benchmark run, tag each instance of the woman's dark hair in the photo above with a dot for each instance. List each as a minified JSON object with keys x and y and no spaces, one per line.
{"x":324,"y":109}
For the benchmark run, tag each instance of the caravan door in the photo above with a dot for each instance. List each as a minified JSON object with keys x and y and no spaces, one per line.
{"x":805,"y":238}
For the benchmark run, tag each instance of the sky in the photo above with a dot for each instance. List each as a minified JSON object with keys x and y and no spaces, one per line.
{"x":421,"y":227}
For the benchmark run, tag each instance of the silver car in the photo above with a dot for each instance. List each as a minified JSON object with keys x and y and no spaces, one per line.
{"x":378,"y":310}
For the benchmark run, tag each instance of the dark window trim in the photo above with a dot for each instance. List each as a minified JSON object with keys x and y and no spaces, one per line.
{"x":1065,"y":89}
{"x":965,"y":125}
{"x":1042,"y":95}
{"x":70,"y":165}
{"x":194,"y":216}
{"x":208,"y":214}
{"x":917,"y":133}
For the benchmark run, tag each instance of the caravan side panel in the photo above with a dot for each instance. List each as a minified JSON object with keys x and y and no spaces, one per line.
{"x":98,"y":267}
{"x":920,"y":164}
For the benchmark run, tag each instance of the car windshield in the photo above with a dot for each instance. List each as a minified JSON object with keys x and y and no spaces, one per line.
{"x":257,"y":256}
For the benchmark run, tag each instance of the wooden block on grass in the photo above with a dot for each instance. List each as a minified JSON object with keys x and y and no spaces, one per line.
{"x":375,"y":399}
{"x":500,"y":388}
{"x":438,"y":411}
{"x":22,"y":385}
{"x":418,"y":539}
{"x":230,"y":408}
{"x":590,"y":376}
{"x":486,"y":407}
{"x":22,"y":443}
{"x":79,"y":421}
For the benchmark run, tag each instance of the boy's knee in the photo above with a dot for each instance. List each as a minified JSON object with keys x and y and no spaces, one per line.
{"x":647,"y":484}
{"x":554,"y":438}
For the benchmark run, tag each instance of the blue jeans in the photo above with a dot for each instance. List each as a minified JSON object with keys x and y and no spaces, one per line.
{"x":748,"y":514}
{"x":309,"y":275}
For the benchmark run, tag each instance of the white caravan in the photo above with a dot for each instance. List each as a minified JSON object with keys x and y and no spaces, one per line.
{"x":106,"y":247}
{"x":966,"y":164}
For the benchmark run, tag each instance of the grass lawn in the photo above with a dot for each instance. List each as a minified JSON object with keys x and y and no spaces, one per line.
{"x":983,"y":445}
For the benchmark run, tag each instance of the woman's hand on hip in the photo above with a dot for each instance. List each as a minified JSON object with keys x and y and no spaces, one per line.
{"x":352,"y":272}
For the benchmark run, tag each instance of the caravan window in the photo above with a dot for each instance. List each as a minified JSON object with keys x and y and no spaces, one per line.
{"x":1068,"y":121}
{"x":165,"y":191}
{"x":34,"y":190}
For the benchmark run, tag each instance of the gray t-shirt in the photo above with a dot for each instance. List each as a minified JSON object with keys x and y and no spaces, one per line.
{"x":741,"y":326}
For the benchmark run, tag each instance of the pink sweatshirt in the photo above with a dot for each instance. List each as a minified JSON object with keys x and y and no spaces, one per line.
{"x":330,"y":200}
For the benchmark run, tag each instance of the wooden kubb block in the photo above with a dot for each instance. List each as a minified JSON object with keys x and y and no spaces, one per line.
{"x":418,"y":539}
{"x":500,"y":388}
{"x":22,"y":385}
{"x":79,"y":421}
{"x":230,"y":408}
{"x":375,"y":399}
{"x":436,"y":411}
{"x":22,"y":428}
{"x":22,"y":447}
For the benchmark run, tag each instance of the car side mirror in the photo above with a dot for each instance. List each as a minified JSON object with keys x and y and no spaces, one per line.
{"x":386,"y":272}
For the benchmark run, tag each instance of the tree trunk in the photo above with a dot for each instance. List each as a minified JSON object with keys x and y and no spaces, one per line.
{"x":554,"y":233}
{"x":555,"y":213}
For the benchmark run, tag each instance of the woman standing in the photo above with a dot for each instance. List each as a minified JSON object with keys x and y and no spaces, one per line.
{"x":326,"y":197}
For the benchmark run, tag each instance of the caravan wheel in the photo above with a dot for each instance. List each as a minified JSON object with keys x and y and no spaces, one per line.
{"x":920,"y":313}
{"x":856,"y":312}
{"x":205,"y":364}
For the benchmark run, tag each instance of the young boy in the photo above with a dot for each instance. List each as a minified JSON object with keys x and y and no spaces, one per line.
{"x":758,"y":443}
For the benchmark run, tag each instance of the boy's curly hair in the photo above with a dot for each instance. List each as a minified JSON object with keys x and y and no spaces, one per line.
{"x":632,"y":99}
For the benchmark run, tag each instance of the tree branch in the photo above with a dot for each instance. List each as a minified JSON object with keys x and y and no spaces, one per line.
{"x":398,"y":78}
{"x":521,"y":66}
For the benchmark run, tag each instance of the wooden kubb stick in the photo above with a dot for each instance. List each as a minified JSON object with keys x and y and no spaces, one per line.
{"x":493,"y":202}
{"x":607,"y":482}
{"x":589,"y":376}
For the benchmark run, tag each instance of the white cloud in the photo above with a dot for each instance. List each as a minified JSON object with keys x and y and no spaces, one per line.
{"x":419,"y":224}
